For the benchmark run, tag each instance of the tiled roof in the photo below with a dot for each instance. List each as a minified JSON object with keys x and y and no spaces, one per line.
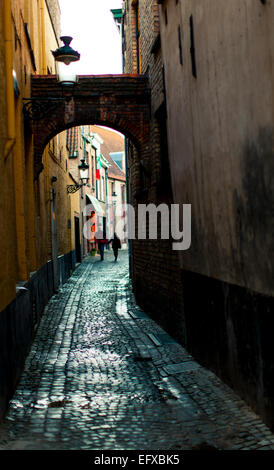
{"x":114,"y":171}
{"x":73,"y":141}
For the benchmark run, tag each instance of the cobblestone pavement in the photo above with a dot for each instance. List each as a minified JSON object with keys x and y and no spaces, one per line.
{"x":102,"y":375}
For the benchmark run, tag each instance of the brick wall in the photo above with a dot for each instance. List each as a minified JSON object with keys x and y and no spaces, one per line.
{"x":117,"y":101}
{"x":154,"y":266}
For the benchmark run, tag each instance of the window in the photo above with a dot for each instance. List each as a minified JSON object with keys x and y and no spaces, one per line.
{"x":92,"y":172}
{"x":123,"y":194}
{"x":192,"y":47}
{"x":87,"y":161}
{"x":103,"y":189}
{"x":98,"y":189}
{"x":180,"y":45}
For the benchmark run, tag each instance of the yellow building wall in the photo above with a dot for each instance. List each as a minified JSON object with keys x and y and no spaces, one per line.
{"x":58,"y":166}
{"x":55,"y":160}
{"x":74,"y":208}
{"x":8,"y":269}
{"x":27,"y":38}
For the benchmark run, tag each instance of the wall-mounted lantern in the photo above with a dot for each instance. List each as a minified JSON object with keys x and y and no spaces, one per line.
{"x":84,"y":177}
{"x":64,"y":56}
{"x":38,"y":108}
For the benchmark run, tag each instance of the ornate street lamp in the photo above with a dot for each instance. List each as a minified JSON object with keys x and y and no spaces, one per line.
{"x":64,"y":56}
{"x":65,"y":53}
{"x":84,"y":177}
{"x":38,"y":108}
{"x":84,"y":171}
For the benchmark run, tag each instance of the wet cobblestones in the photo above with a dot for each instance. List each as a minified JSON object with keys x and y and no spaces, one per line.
{"x":102,"y":375}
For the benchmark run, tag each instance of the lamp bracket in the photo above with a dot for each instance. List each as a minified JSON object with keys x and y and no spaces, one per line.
{"x":38,"y":108}
{"x":72,"y":188}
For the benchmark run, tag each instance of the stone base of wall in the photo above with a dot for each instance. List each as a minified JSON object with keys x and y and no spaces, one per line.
{"x":229,"y":329}
{"x":156,"y":282}
{"x":163,"y":307}
{"x":19,"y":321}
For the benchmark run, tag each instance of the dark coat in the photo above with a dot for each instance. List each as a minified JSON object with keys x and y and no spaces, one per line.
{"x":116,"y":243}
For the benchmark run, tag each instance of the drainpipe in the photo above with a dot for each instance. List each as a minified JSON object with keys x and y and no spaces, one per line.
{"x":9,"y":79}
{"x":107,"y":205}
{"x":43,"y":34}
{"x":128,"y":194}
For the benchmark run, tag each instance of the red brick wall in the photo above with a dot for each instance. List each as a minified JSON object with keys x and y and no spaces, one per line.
{"x":155,"y":267}
{"x":121,"y":102}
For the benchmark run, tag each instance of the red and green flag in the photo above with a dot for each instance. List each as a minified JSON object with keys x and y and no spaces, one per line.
{"x":99,"y":166}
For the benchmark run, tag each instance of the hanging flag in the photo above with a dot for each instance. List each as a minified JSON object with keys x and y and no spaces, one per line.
{"x":99,"y":166}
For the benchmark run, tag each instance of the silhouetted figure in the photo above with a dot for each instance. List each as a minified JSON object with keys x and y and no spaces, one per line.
{"x":116,"y":244}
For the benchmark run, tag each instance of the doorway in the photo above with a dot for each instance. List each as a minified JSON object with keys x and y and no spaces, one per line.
{"x":77,"y":239}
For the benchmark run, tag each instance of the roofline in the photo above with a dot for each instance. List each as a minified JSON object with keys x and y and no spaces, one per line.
{"x":120,"y":178}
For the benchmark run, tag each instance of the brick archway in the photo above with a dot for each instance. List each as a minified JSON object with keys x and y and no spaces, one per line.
{"x":121,"y":102}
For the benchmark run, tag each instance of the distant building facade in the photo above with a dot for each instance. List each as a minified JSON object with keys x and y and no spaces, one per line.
{"x":101,"y":199}
{"x":84,"y":146}
{"x":113,"y":150}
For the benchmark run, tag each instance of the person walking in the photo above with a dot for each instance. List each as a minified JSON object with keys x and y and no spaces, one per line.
{"x":102,"y":241}
{"x":116,"y":244}
{"x":101,"y":246}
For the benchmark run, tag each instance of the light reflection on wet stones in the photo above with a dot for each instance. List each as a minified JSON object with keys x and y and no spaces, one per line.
{"x":93,"y":381}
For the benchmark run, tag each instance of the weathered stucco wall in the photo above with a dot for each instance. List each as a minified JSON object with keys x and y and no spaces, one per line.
{"x":3,"y":127}
{"x":221,"y":129}
{"x":221,"y":135}
{"x":55,"y":161}
{"x":8,"y":269}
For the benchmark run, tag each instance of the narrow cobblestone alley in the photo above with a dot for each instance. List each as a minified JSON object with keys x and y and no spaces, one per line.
{"x":102,"y":375}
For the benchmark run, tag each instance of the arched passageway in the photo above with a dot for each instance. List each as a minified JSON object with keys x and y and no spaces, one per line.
{"x":121,"y":102}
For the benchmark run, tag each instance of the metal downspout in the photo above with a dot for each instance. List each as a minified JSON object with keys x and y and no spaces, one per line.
{"x":9,"y":79}
{"x":43,"y":34}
